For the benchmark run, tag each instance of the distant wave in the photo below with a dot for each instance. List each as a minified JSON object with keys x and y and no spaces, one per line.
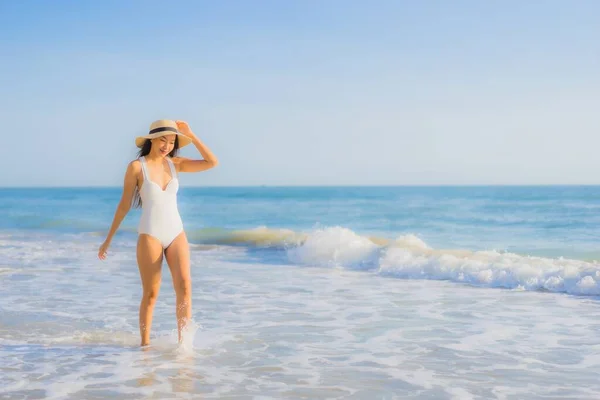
{"x":261,"y":236}
{"x":408,"y":257}
{"x":404,"y":257}
{"x":6,"y":270}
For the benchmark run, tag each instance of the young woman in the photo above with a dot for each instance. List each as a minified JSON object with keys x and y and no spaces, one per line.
{"x":151,"y":183}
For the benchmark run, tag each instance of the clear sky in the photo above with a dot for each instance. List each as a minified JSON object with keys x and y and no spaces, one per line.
{"x":306,"y":92}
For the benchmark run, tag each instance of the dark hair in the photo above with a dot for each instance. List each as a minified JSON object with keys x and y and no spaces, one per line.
{"x":144,"y":151}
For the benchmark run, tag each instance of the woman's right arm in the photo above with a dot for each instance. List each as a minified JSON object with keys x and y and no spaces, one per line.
{"x":133,"y":169}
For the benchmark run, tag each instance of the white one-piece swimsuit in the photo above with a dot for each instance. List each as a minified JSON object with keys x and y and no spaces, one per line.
{"x":160,"y":215}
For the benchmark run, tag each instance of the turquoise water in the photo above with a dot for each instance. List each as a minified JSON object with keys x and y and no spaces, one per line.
{"x":545,"y":221}
{"x":324,"y":292}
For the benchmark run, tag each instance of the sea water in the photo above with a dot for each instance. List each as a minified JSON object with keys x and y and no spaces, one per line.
{"x":309,"y":292}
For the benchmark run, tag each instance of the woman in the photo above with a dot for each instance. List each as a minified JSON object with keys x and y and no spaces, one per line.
{"x":151,"y":182}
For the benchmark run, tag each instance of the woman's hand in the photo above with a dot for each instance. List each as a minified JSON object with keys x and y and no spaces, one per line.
{"x":102,"y":251}
{"x":184,"y":128}
{"x":187,"y":165}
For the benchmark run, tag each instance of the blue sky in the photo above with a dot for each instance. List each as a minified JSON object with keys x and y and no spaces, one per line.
{"x":305,"y":92}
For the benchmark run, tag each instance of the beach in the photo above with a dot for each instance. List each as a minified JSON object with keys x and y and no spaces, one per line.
{"x":309,"y":292}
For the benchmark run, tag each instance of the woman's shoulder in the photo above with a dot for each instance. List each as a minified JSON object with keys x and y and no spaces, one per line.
{"x":134,"y":166}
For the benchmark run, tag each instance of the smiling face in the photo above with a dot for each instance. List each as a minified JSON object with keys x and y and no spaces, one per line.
{"x":163,"y":145}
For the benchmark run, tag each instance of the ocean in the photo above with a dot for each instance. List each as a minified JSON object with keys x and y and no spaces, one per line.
{"x":309,"y":292}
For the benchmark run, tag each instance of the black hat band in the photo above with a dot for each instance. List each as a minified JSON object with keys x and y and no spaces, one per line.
{"x":167,"y":128}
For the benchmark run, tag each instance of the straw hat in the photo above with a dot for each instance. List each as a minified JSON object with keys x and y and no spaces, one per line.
{"x":163,"y":127}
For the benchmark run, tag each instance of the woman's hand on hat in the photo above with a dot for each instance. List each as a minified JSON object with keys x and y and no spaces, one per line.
{"x":184,"y":128}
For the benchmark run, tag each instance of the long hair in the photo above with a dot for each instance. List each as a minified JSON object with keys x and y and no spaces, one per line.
{"x":144,"y":151}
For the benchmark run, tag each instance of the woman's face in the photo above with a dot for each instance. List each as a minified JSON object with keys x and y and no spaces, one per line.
{"x":163,"y":145}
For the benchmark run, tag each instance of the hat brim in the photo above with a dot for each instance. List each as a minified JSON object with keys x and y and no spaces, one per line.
{"x":183,"y":140}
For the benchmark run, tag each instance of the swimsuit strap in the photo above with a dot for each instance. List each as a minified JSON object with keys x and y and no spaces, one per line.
{"x":172,"y":167}
{"x":144,"y":172}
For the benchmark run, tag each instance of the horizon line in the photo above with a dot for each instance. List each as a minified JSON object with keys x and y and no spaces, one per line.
{"x":327,"y":185}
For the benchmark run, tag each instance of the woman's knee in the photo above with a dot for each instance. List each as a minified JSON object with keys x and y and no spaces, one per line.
{"x":183,"y":288}
{"x":150,"y":296}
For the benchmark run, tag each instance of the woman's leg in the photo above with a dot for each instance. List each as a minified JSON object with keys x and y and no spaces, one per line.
{"x":149,"y":258}
{"x":178,"y":259}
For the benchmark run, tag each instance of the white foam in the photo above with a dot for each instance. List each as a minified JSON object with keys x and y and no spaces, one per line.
{"x":171,"y":340}
{"x":495,"y":269}
{"x":280,"y":332}
{"x":409,"y":257}
{"x":335,"y":246}
{"x":284,"y":331}
{"x":410,"y":242}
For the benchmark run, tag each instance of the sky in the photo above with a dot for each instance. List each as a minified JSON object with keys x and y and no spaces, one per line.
{"x":304,"y":92}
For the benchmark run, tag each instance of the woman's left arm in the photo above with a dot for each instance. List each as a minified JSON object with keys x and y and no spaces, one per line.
{"x":189,"y":165}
